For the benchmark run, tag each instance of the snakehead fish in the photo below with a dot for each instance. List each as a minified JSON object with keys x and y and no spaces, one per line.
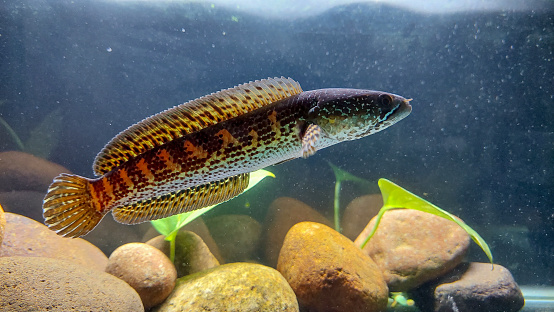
{"x":202,"y":152}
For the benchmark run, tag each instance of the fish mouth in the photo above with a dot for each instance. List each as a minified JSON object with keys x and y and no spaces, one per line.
{"x":407,"y":106}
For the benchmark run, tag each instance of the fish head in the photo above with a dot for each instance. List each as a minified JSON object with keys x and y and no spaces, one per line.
{"x":349,"y":114}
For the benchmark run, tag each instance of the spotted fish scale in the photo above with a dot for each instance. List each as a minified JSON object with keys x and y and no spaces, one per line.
{"x":201,"y":153}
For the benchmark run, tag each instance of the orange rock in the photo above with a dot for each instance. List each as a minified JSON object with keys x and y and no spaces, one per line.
{"x":283,"y":213}
{"x":358,"y":214}
{"x":412,"y":247}
{"x":328,"y":273}
{"x":22,"y":171}
{"x":28,"y":238}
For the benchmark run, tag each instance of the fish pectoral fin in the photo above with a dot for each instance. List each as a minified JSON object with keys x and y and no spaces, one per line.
{"x":193,"y":198}
{"x":312,"y":134}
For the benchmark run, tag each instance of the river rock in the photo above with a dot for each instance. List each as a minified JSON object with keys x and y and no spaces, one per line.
{"x":28,"y":238}
{"x":328,"y":273}
{"x":358,"y":214}
{"x":412,"y":247}
{"x":283,"y":213}
{"x":241,"y":287}
{"x":199,"y":228}
{"x":148,"y":270}
{"x":46,"y":284}
{"x":472,"y":287}
{"x":237,"y":236}
{"x":191,"y":253}
{"x":2,"y":225}
{"x":22,"y":171}
{"x":26,"y":203}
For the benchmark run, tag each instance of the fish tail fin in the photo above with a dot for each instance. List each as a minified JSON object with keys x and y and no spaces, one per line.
{"x":68,"y":208}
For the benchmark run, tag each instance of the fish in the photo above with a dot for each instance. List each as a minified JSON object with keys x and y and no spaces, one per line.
{"x":201,"y":153}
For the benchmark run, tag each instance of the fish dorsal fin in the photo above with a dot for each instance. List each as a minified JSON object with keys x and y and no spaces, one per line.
{"x":193,"y":198}
{"x":191,"y":117}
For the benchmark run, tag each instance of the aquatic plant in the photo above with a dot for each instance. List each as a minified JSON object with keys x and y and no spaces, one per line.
{"x":400,"y":299}
{"x":340,"y":176}
{"x":12,"y":133}
{"x":170,"y":226}
{"x":395,"y":197}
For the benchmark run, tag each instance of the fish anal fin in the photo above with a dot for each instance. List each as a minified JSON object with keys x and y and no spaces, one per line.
{"x":181,"y":201}
{"x":191,"y":117}
{"x":310,"y":137}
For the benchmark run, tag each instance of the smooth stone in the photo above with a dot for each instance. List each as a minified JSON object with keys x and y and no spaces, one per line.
{"x":191,"y":253}
{"x":244,"y":287}
{"x":2,"y":225}
{"x":148,"y":270}
{"x":412,"y":247}
{"x":237,"y":236}
{"x":199,"y":228}
{"x":45,"y":284}
{"x":22,"y":171}
{"x":283,"y":213}
{"x":472,"y":287}
{"x":358,"y":213}
{"x":328,"y":273}
{"x":25,"y":203}
{"x":28,"y":238}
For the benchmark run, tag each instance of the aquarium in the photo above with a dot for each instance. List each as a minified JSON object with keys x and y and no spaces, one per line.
{"x":277,"y":155}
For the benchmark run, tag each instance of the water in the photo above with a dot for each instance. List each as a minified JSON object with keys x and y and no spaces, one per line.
{"x":479,"y":142}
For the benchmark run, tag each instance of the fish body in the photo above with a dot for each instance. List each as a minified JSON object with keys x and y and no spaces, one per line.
{"x":201,"y":153}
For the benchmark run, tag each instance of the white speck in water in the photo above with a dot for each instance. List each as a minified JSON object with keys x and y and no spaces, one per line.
{"x":109,"y":49}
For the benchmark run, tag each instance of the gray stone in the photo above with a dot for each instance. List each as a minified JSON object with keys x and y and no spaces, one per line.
{"x":472,"y":287}
{"x":191,"y":253}
{"x":44,"y":284}
{"x":237,"y":236}
{"x":241,"y":287}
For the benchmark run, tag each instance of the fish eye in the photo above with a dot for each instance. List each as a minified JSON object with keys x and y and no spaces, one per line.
{"x":385,"y":99}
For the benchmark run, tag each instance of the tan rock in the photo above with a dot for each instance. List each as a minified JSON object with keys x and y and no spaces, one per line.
{"x":191,"y":253}
{"x":412,"y":247}
{"x":244,"y":287}
{"x":28,"y":238}
{"x":283,"y":213}
{"x":237,"y":236}
{"x":46,"y":284}
{"x":146,"y":269}
{"x":22,"y":171}
{"x":358,"y":214}
{"x":328,"y":273}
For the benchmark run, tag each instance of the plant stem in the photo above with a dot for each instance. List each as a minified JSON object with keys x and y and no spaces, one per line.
{"x":12,"y":133}
{"x":337,"y":205}
{"x":172,"y":249}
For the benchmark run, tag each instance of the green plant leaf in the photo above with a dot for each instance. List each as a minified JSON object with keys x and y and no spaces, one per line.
{"x":170,"y":226}
{"x":395,"y":197}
